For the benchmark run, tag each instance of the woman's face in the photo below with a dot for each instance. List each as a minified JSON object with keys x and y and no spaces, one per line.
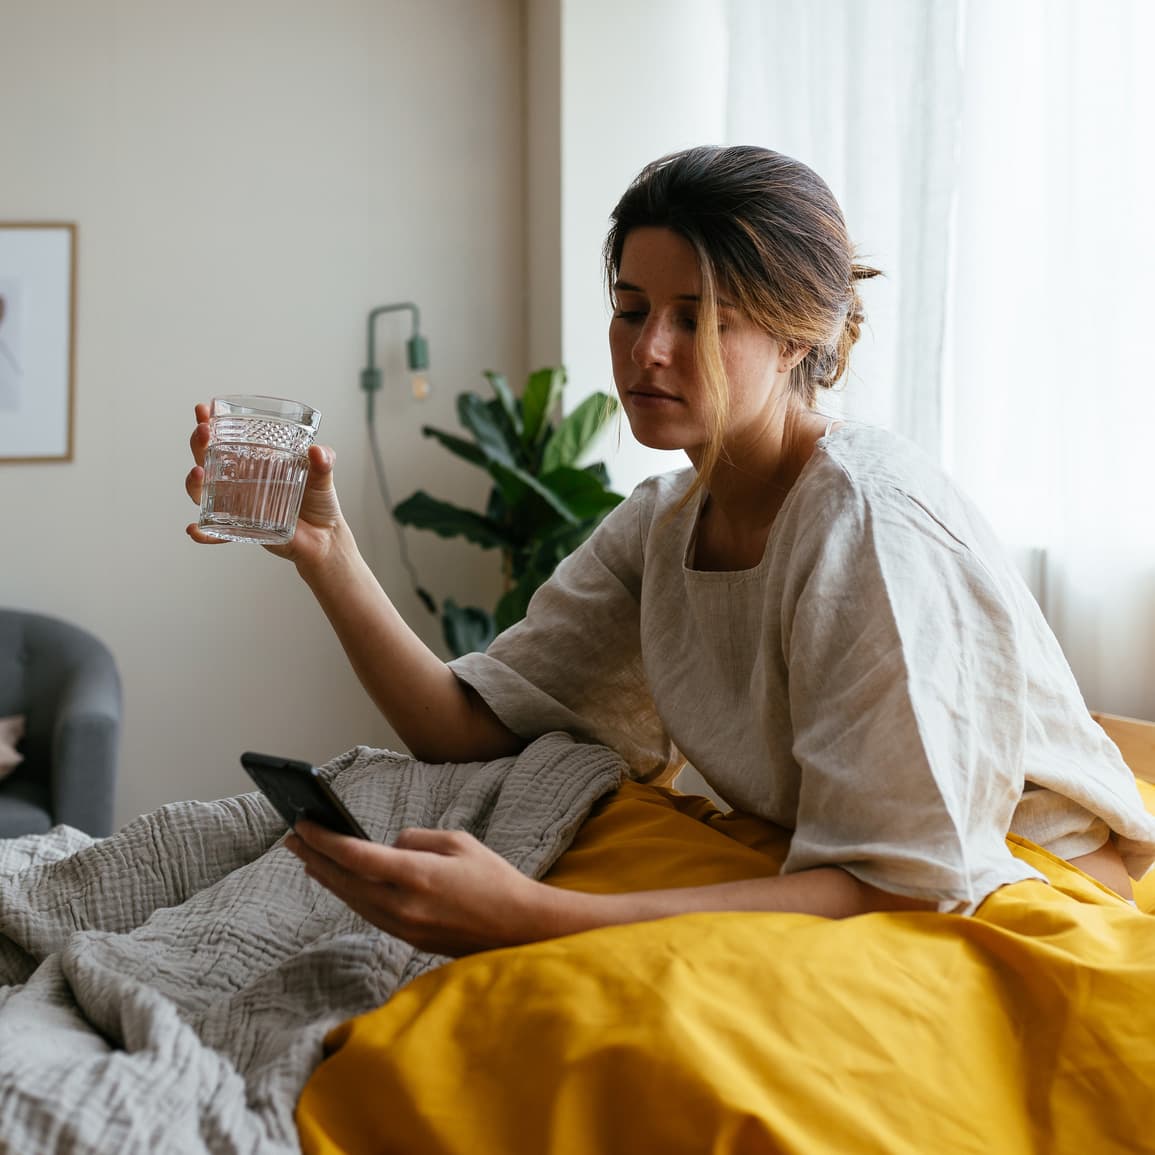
{"x":657,"y":299}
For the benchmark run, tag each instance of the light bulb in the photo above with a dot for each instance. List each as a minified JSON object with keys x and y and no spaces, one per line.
{"x":420,"y":384}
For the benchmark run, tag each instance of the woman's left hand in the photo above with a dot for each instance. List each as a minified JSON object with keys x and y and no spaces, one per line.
{"x":441,"y":890}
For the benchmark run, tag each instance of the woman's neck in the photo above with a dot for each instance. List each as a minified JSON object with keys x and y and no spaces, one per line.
{"x":752,"y":477}
{"x":746,"y":491}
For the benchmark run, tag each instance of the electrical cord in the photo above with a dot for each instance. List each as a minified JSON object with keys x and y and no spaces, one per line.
{"x":383,"y":485}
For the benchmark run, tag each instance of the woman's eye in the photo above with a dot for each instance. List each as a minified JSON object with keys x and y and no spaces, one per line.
{"x":629,"y":315}
{"x":690,"y":324}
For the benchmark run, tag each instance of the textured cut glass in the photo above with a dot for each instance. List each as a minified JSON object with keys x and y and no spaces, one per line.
{"x":255,"y":468}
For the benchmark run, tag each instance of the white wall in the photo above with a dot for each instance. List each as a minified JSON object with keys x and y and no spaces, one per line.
{"x":248,"y":180}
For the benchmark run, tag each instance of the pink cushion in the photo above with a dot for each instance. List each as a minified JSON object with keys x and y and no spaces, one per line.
{"x":11,"y":731}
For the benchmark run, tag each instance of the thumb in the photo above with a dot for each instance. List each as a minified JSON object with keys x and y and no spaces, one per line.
{"x":321,"y":459}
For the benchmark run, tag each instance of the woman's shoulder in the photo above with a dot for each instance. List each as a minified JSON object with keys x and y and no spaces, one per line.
{"x":865,"y":480}
{"x":872,"y":457}
{"x":858,"y":465}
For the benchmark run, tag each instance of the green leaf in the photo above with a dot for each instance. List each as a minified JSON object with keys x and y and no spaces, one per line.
{"x":599,"y":470}
{"x":457,"y":445}
{"x":482,"y":420}
{"x":511,"y":476}
{"x":581,"y":492}
{"x":501,"y":420}
{"x":542,"y":391}
{"x":495,"y":507}
{"x":510,"y":406}
{"x":475,"y":414}
{"x":573,"y":435}
{"x":424,"y":512}
{"x":466,"y":628}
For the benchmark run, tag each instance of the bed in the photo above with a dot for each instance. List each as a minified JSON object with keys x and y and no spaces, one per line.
{"x":183,"y":987}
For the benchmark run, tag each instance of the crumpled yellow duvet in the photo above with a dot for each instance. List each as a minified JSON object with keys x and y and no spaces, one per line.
{"x":1029,"y":1027}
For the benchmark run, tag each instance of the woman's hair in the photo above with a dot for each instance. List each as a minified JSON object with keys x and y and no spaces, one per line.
{"x":770,"y":237}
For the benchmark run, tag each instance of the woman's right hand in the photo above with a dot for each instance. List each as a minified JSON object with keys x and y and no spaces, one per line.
{"x":319,"y":522}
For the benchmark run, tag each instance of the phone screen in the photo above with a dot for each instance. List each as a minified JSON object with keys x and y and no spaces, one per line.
{"x":297,"y":790}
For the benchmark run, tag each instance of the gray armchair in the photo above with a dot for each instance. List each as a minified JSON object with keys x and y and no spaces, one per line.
{"x":65,"y":682}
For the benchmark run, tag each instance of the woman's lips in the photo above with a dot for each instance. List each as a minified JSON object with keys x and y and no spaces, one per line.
{"x":652,"y":397}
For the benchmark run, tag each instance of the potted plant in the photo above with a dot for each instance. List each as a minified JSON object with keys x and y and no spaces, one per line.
{"x":542,"y":505}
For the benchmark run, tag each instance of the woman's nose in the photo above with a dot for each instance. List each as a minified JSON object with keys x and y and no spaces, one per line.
{"x":653,"y":344}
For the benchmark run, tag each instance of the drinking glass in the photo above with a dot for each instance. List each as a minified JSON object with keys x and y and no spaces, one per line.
{"x":256,"y":467}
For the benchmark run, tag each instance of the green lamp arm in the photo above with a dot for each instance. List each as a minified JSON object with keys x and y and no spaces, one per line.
{"x":416,"y":348}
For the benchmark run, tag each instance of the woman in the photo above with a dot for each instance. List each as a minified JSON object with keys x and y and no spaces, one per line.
{"x":812,"y":613}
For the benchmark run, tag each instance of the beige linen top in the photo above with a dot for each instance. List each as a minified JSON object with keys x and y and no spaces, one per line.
{"x":882,"y":683}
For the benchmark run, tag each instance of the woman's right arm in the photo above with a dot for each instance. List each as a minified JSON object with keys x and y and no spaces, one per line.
{"x":438,"y":717}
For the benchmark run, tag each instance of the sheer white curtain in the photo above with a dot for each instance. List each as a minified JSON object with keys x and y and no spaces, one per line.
{"x":867,"y":93}
{"x":1050,"y":357}
{"x":1011,"y":336}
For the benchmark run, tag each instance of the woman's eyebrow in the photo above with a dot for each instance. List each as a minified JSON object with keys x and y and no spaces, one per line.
{"x":627,"y":287}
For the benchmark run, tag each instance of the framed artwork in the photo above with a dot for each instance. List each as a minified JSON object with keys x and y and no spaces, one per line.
{"x":37,"y":340}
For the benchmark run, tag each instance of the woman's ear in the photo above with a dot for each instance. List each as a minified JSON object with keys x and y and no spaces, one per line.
{"x":790,"y":356}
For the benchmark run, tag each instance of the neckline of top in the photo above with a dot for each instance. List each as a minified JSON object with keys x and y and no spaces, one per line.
{"x":690,"y":528}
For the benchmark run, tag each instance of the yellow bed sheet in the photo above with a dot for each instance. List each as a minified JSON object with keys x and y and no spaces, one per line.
{"x":1027,"y":1028}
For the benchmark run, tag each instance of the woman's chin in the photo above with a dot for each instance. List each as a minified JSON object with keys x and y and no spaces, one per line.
{"x":653,"y":440}
{"x":653,"y":436}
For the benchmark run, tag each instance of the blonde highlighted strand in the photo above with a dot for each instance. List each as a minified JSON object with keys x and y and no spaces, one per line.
{"x":711,"y":368}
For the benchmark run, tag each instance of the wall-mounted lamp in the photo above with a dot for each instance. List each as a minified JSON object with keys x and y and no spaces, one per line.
{"x":417,"y":358}
{"x":416,"y":352}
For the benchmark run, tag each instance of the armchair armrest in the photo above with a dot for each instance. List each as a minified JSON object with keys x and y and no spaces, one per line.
{"x":85,"y":740}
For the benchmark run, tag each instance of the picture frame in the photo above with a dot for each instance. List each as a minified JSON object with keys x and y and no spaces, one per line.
{"x":37,"y":340}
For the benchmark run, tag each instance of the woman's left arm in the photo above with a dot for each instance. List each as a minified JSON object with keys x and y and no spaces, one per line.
{"x":446,"y":892}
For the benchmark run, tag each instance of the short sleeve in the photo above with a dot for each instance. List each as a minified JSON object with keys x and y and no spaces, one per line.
{"x":906,"y":694}
{"x":574,"y":662}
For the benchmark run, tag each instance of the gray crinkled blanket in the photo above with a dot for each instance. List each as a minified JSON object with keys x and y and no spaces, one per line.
{"x":168,"y":988}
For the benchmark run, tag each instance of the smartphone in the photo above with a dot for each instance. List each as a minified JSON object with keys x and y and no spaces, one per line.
{"x":297,"y":790}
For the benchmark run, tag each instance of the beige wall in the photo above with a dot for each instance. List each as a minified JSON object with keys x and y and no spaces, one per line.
{"x":249,"y":177}
{"x":544,"y":62}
